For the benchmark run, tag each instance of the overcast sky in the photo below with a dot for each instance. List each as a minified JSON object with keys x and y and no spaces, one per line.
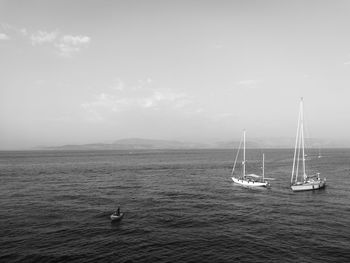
{"x":75,"y":72}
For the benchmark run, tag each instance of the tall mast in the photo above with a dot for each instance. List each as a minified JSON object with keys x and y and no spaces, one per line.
{"x":295,"y":150}
{"x":263,"y":167}
{"x":234,"y":164}
{"x":302,"y":136}
{"x":243,"y":153}
{"x":298,"y":154}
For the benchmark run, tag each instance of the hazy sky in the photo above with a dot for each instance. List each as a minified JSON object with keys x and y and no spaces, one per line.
{"x":76,"y":72}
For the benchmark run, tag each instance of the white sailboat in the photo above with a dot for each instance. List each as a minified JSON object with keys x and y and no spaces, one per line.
{"x":249,"y":180}
{"x":303,"y":182}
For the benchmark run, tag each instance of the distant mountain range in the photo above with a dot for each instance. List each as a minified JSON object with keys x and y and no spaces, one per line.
{"x":140,"y":144}
{"x":133,"y":144}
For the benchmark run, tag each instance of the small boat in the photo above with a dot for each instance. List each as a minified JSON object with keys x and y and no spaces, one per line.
{"x":305,"y":182}
{"x":248,"y":180}
{"x":115,"y":217}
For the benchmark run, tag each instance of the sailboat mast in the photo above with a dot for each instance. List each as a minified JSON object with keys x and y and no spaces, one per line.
{"x":263,"y":174}
{"x":295,"y":150}
{"x":234,"y":164}
{"x":299,"y":152}
{"x":302,"y":136}
{"x":243,"y":153}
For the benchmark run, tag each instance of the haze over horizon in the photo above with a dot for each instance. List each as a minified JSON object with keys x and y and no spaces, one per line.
{"x":79,"y":72}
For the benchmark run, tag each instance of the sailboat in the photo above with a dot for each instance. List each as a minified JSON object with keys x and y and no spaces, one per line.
{"x":304,"y":181}
{"x":249,"y":180}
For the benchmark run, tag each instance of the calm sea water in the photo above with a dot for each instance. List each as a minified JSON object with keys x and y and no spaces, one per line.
{"x":181,"y":206}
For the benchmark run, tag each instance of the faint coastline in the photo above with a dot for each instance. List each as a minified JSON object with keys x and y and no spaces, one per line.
{"x":148,"y":144}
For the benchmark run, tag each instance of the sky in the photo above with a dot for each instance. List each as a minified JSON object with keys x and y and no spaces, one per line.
{"x":82,"y":71}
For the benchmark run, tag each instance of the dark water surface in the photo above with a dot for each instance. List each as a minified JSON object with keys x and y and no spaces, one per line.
{"x":181,"y":206}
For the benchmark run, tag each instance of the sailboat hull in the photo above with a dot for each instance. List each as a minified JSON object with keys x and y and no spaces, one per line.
{"x":250,"y":183}
{"x":308,"y":186}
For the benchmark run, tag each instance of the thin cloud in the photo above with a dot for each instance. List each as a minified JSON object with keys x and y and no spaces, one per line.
{"x":69,"y":44}
{"x":13,"y":30}
{"x":64,"y":45}
{"x":75,"y":40}
{"x":128,"y":99}
{"x":23,"y":32}
{"x":42,"y":37}
{"x":4,"y":36}
{"x":117,"y":103}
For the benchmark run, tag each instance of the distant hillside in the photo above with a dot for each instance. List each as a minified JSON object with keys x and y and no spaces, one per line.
{"x":148,"y":144}
{"x":137,"y":143}
{"x":133,"y":144}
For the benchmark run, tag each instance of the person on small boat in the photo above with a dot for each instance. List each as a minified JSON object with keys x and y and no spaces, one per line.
{"x":117,"y":212}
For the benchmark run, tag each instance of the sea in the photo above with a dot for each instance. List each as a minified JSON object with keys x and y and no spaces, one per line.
{"x":179,"y":205}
